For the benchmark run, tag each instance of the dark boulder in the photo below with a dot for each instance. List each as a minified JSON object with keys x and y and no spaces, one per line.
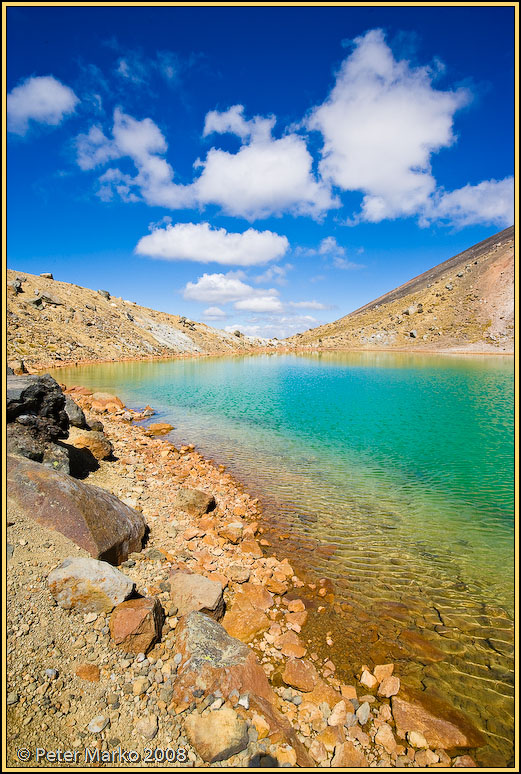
{"x":75,"y":413}
{"x":37,"y":420}
{"x":89,"y":516}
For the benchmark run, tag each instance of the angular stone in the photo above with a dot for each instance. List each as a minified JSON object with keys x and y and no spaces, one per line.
{"x":416,"y":739}
{"x":75,"y":413}
{"x":97,"y":443}
{"x":86,"y":585}
{"x":194,"y":502}
{"x":254,"y":595}
{"x":368,"y":680}
{"x":158,"y":428}
{"x":252,"y":547}
{"x":464,"y":762}
{"x":331,"y":737}
{"x":245,"y":622}
{"x":381,"y":671}
{"x":290,"y":645}
{"x":211,"y":660}
{"x":90,"y":516}
{"x":191,"y":592}
{"x":37,"y":396}
{"x":385,"y":737}
{"x":232,"y":531}
{"x":347,"y":756}
{"x":147,"y":726}
{"x":426,"y":758}
{"x":300,"y":674}
{"x":88,"y":672}
{"x":441,"y":725}
{"x":135,"y":625}
{"x":338,"y":714}
{"x":389,"y":687}
{"x":217,"y":735}
{"x":104,"y":402}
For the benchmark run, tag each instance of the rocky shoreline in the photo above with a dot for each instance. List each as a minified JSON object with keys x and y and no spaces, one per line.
{"x":164,"y":624}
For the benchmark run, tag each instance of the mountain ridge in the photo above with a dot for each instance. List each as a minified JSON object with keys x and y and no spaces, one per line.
{"x":473,"y":312}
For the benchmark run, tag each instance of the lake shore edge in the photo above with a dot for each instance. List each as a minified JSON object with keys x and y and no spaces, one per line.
{"x":320,"y":715}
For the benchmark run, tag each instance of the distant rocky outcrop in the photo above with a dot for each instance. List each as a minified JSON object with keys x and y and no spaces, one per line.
{"x":463,"y":304}
{"x":53,"y":323}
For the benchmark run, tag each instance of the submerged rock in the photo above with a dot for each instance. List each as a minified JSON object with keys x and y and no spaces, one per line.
{"x":441,"y":725}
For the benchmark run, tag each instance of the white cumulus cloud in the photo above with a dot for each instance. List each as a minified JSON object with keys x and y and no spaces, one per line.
{"x":214,"y":313}
{"x":43,"y":99}
{"x":142,"y":142}
{"x":491,"y":201}
{"x":260,"y":304}
{"x":380,"y":124}
{"x":265,"y":177}
{"x":219,"y":289}
{"x":308,"y":305}
{"x":200,"y":242}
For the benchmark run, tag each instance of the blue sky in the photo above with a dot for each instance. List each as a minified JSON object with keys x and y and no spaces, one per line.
{"x":265,"y":169}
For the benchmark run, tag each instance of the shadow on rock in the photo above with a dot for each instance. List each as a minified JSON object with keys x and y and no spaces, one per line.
{"x":263,"y":762}
{"x":81,"y":461}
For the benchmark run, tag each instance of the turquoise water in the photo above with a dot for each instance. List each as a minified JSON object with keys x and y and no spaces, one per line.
{"x":394,"y":477}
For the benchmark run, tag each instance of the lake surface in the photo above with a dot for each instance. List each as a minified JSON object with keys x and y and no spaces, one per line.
{"x":393,"y":476}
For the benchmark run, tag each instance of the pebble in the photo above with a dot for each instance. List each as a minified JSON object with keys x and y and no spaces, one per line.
{"x":362,"y":713}
{"x":97,"y":724}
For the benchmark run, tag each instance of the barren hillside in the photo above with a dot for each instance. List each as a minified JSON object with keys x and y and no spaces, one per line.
{"x":464,"y":304}
{"x":52,"y":323}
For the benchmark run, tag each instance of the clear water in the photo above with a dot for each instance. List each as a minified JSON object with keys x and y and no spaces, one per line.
{"x":393,"y":476}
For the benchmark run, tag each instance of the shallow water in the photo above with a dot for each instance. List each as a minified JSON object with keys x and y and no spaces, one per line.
{"x":393,"y":475}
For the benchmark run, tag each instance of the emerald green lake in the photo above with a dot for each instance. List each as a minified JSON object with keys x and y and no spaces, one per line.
{"x":393,"y":474}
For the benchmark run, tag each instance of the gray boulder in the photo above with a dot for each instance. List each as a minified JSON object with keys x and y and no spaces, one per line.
{"x":191,"y":592}
{"x":75,"y":413}
{"x":88,"y":586}
{"x":89,"y":516}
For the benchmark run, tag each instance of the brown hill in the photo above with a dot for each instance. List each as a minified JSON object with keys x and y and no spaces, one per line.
{"x":464,"y":304}
{"x":53,"y":323}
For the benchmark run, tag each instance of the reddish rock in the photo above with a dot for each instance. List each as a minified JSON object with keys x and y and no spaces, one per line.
{"x":211,"y":660}
{"x":389,"y":687}
{"x":104,"y":402}
{"x":135,"y":625}
{"x":300,"y":674}
{"x":441,"y":725}
{"x":331,"y":737}
{"x":231,"y":532}
{"x":464,"y":762}
{"x":255,"y":595}
{"x":88,"y":672}
{"x":158,"y":428}
{"x":90,"y":516}
{"x":381,"y":671}
{"x":295,"y":605}
{"x":276,"y":586}
{"x":245,"y":622}
{"x":217,"y":735}
{"x":252,"y":547}
{"x":86,"y":585}
{"x":290,"y":645}
{"x":297,"y":619}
